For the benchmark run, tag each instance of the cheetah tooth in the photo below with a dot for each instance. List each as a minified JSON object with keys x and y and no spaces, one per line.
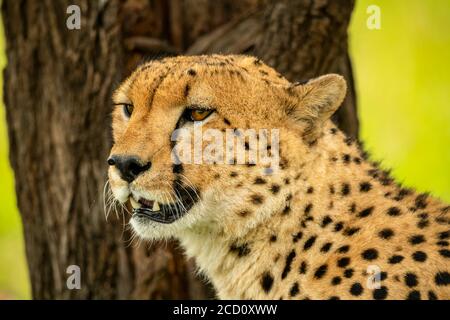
{"x":134,"y":203}
{"x":155,"y":206}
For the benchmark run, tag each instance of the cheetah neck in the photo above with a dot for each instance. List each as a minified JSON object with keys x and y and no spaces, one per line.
{"x":321,"y":200}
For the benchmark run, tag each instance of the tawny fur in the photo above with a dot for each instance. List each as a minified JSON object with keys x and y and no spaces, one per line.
{"x":322,"y":223}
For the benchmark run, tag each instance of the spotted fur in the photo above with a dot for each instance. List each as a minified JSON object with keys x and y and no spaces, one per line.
{"x":321,"y":227}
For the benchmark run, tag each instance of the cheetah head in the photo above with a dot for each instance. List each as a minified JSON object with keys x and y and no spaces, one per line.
{"x":178,"y":180}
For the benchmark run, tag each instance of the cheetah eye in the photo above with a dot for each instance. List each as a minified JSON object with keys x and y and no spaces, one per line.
{"x":127,"y":109}
{"x":196,"y":114}
{"x":199,"y":115}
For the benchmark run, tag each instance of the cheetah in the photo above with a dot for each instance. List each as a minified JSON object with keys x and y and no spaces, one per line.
{"x":326,"y":223}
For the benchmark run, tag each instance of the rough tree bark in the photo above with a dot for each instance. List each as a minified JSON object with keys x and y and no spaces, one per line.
{"x":57,"y":96}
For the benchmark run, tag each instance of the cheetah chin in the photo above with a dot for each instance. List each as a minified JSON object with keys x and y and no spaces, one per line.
{"x":320,"y":221}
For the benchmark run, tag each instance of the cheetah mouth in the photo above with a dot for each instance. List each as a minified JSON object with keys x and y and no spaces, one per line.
{"x":145,"y":209}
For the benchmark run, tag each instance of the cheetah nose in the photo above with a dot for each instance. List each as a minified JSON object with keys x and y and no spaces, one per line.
{"x":130,"y":167}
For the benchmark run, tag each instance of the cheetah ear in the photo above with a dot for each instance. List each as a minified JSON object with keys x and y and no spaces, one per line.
{"x":318,"y":98}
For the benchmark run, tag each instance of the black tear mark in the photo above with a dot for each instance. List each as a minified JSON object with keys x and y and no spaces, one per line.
{"x":186,"y":90}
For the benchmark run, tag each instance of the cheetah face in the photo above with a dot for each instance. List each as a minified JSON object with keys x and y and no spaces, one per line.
{"x":177,"y":179}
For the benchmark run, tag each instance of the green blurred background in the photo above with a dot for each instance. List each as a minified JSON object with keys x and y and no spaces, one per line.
{"x":402,"y":76}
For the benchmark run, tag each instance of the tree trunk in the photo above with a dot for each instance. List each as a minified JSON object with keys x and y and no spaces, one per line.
{"x":58,"y":84}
